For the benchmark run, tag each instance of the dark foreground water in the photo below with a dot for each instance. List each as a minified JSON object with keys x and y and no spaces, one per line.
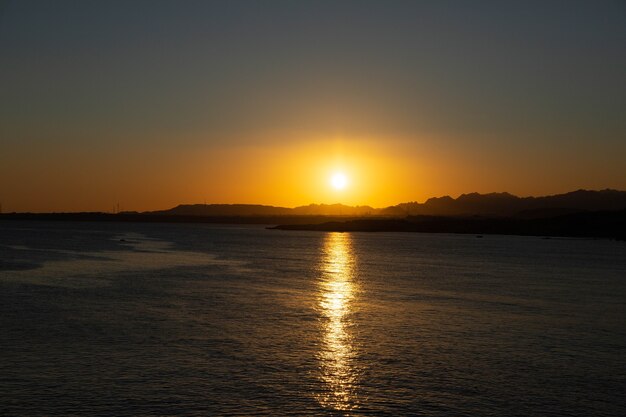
{"x":154,"y":319}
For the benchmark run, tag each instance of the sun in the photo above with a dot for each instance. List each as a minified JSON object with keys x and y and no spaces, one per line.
{"x":339,"y":181}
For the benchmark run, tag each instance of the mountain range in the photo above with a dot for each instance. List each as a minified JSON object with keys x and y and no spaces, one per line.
{"x":473,"y":204}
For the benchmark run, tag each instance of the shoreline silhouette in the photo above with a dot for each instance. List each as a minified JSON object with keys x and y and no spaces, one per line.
{"x":601,"y":224}
{"x":582,"y":213}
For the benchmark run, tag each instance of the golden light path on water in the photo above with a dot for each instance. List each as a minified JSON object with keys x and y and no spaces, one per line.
{"x":337,"y":290}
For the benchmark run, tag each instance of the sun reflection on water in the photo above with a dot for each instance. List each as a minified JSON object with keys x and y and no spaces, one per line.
{"x":337,"y":290}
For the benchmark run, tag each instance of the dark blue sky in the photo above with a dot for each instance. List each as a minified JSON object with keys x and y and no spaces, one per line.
{"x":522,"y":80}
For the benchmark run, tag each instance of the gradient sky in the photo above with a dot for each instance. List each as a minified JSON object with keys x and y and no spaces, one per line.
{"x":152,"y":104}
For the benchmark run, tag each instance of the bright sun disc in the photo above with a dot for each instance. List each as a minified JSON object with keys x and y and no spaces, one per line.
{"x":339,"y":181}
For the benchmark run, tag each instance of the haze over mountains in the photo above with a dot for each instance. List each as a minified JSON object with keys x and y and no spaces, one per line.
{"x":492,"y":204}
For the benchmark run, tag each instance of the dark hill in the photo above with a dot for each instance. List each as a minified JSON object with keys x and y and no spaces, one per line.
{"x":492,"y":204}
{"x":472,"y":204}
{"x":224,"y":210}
{"x":261,"y":210}
{"x":505,"y":204}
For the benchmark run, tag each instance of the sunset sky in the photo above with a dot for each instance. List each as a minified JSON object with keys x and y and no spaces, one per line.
{"x":154,"y":103}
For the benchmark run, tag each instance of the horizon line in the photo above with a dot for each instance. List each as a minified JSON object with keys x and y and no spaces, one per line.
{"x":310,"y":204}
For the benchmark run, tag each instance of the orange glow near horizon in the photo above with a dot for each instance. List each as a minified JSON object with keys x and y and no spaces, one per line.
{"x":272,"y":174}
{"x":322,"y":172}
{"x":263,"y":170}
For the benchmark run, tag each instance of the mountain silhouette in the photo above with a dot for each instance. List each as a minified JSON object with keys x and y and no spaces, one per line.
{"x":580,"y":213}
{"x":491,"y":204}
{"x":261,"y":210}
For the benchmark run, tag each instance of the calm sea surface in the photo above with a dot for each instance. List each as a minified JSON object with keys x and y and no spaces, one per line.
{"x":157,"y":319}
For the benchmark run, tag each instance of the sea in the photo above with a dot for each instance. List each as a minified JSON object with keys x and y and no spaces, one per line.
{"x":147,"y":319}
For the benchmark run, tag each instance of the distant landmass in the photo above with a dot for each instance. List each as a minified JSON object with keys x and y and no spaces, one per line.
{"x":582,"y":213}
{"x":492,"y":204}
{"x":261,"y":210}
{"x":598,"y":224}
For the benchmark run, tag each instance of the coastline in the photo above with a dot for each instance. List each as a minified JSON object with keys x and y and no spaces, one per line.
{"x":599,"y":224}
{"x":605,"y":225}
